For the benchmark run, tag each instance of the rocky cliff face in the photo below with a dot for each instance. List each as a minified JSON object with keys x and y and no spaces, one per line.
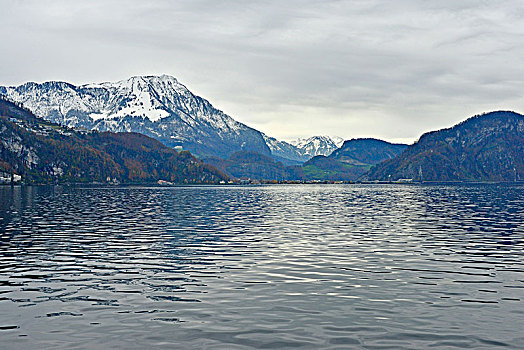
{"x":488,"y":147}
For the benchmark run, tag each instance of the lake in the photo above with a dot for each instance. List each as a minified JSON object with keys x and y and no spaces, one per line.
{"x":284,"y":266}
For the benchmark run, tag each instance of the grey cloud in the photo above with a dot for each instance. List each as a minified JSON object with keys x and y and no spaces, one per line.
{"x":295,"y":68}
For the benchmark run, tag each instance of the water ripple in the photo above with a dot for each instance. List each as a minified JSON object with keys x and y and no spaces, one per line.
{"x":265,"y":267}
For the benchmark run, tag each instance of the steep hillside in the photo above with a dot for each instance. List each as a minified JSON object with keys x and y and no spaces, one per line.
{"x":44,"y":152}
{"x":157,"y":106}
{"x":488,"y":147}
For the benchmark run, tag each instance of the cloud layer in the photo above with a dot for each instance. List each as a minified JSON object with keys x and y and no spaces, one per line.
{"x":296,"y":68}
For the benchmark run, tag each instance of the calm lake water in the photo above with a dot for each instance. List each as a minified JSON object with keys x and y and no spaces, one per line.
{"x":349,"y":266}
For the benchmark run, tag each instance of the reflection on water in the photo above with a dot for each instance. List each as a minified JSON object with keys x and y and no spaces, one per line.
{"x":267,"y":267}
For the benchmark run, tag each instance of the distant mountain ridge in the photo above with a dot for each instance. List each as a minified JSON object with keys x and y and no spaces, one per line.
{"x":354,"y":158}
{"x":285,"y":151}
{"x":486,"y":147}
{"x":348,"y":163}
{"x":317,"y":145}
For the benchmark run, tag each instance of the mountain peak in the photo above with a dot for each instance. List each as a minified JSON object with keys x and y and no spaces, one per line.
{"x":142,"y":83}
{"x":153,"y":78}
{"x":318,"y":145}
{"x":155,"y":105}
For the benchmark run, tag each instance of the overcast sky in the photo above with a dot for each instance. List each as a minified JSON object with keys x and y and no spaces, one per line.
{"x":387,"y":69}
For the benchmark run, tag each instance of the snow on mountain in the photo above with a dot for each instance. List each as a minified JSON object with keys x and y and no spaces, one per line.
{"x":283,"y":151}
{"x":317,"y":145}
{"x":339,"y":141}
{"x":158,"y":106}
{"x":163,"y":108}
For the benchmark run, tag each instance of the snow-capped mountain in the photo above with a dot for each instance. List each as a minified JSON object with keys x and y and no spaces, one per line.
{"x":339,"y":141}
{"x":284,"y":151}
{"x":158,"y":106}
{"x":317,"y":145}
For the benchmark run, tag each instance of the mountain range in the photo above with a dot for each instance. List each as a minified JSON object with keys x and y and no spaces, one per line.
{"x":488,"y":147}
{"x":40,"y":151}
{"x":160,"y":107}
{"x":347,"y":163}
